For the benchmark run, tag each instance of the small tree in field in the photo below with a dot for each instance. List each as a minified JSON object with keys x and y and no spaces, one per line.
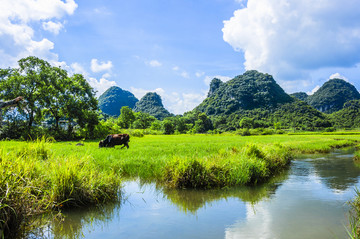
{"x":126,"y":118}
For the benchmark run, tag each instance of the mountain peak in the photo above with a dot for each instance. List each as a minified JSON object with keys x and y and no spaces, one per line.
{"x":151,"y":103}
{"x":244,"y":92}
{"x":111,"y":101}
{"x":332,"y":95}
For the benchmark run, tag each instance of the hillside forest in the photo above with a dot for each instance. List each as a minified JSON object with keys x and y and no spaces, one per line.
{"x":63,"y":106}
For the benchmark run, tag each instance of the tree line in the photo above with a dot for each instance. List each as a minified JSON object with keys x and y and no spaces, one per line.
{"x":65,"y":107}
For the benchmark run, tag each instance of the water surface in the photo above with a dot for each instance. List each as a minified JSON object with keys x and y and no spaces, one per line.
{"x":307,"y":201}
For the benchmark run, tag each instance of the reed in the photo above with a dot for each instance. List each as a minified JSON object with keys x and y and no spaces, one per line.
{"x":251,"y":164}
{"x":33,"y":181}
{"x":354,"y":218}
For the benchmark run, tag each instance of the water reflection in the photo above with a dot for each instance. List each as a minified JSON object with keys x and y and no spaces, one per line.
{"x":307,"y":201}
{"x":337,"y":170}
{"x":190,"y":201}
{"x":73,"y":224}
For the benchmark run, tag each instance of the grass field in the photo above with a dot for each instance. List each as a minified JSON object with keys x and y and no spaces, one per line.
{"x":40,"y":176}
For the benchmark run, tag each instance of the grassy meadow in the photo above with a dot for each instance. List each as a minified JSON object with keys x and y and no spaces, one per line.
{"x":42,"y":176}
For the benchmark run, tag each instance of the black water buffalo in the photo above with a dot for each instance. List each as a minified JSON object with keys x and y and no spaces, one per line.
{"x":115,"y":139}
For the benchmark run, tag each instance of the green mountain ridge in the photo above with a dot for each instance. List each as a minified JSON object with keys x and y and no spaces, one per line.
{"x":249,"y":91}
{"x":151,"y":103}
{"x":300,"y":95}
{"x":111,"y":101}
{"x":332,"y":96}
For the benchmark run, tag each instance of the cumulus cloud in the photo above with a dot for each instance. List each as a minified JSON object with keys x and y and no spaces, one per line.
{"x":101,"y":85}
{"x":338,"y":76}
{"x":174,"y":102}
{"x":102,"y":66}
{"x":289,"y":39}
{"x":53,"y":27}
{"x":154,"y":63}
{"x":16,"y":33}
{"x":77,"y":68}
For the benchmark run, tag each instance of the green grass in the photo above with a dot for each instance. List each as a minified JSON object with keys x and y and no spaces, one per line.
{"x":34,"y":180}
{"x":42,"y":176}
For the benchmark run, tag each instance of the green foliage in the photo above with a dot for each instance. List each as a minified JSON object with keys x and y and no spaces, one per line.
{"x":151,"y":103}
{"x":203,"y":124}
{"x":126,"y":118}
{"x":246,"y":123}
{"x":348,"y":117}
{"x":332,"y":96}
{"x":114,"y":98}
{"x":300,"y":95}
{"x":156,"y":125}
{"x":49,"y":94}
{"x":245,"y":92}
{"x":168,"y":127}
{"x":143,"y":120}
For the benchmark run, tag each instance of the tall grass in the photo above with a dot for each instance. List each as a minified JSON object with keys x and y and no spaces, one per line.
{"x":251,"y":164}
{"x":354,"y":232}
{"x":33,"y":180}
{"x":40,"y":176}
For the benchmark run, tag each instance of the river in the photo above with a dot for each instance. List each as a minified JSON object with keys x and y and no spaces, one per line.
{"x":307,"y":201}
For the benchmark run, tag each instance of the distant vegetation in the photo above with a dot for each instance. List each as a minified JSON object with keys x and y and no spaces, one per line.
{"x":65,"y":107}
{"x":151,"y":103}
{"x":114,"y":98}
{"x":332,"y":96}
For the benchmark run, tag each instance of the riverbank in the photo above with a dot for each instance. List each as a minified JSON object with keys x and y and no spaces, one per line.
{"x":43,"y":176}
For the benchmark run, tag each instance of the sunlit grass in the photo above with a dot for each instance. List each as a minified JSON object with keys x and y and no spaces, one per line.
{"x":43,"y":175}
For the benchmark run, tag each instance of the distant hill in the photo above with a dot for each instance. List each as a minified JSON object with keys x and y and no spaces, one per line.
{"x":151,"y":103}
{"x":111,"y":101}
{"x":332,"y":96}
{"x":300,"y":95}
{"x":348,"y":117}
{"x":249,"y":91}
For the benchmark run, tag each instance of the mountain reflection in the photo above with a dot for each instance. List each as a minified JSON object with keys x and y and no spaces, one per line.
{"x":337,"y":169}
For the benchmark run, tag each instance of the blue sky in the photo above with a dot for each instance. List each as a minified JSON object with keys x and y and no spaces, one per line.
{"x":175,"y":47}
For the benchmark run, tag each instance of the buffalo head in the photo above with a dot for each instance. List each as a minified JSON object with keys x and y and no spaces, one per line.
{"x":101,"y":144}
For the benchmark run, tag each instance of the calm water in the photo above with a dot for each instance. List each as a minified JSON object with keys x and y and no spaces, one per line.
{"x":308,"y":201}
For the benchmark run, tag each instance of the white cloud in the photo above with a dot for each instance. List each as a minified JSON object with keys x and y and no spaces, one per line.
{"x":185,"y":74}
{"x":53,"y":27}
{"x":208,"y":79}
{"x":313,"y":90}
{"x":139,"y":92}
{"x":338,"y":76}
{"x":175,"y":68}
{"x":101,"y":85}
{"x":199,"y":74}
{"x":77,"y":68}
{"x":289,"y":39}
{"x":154,"y":63}
{"x":102,"y":66}
{"x":176,"y":103}
{"x":16,"y":17}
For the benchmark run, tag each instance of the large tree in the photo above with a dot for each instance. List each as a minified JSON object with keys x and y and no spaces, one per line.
{"x":28,"y":81}
{"x":49,"y":92}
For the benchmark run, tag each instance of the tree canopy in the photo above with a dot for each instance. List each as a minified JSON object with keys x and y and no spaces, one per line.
{"x":49,"y":94}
